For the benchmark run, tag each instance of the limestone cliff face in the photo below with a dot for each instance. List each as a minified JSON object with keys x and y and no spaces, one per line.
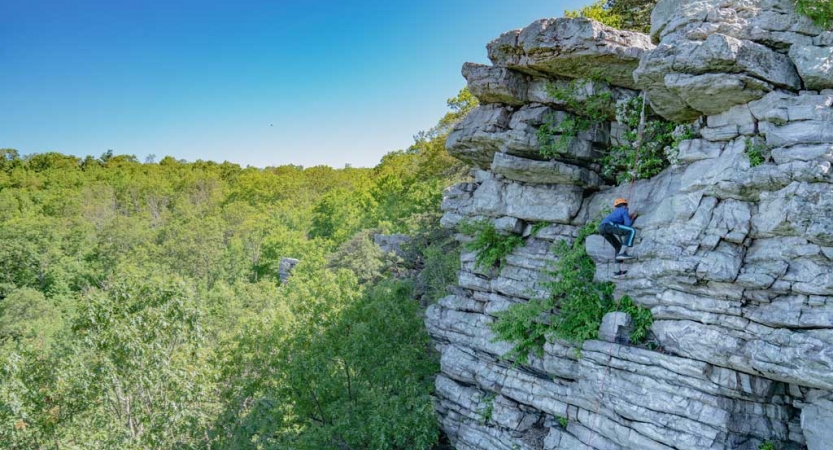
{"x":734,"y":261}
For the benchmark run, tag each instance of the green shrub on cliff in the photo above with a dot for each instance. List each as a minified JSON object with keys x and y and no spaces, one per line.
{"x":633,"y":15}
{"x":591,"y":109}
{"x":819,"y":11}
{"x":635,"y":158}
{"x":574,"y":309}
{"x":490,"y":246}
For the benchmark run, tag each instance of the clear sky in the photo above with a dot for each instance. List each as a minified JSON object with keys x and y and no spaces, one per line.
{"x":259,"y":83}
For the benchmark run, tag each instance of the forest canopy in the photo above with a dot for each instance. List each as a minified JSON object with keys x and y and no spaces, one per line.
{"x":141,"y":304}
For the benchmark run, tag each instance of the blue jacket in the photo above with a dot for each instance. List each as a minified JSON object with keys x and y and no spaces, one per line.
{"x":619,"y":216}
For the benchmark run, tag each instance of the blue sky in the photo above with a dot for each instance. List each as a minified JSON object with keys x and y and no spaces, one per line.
{"x":253,"y":82}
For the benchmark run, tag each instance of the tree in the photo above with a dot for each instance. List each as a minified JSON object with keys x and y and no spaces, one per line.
{"x":9,"y":159}
{"x":140,"y":305}
{"x":634,"y":15}
{"x":340,"y":214}
{"x":145,"y":333}
{"x":28,"y":317}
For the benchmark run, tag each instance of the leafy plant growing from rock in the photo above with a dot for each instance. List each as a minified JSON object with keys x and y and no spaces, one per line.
{"x":767,"y":445}
{"x":538,"y":226}
{"x":754,"y":150}
{"x":591,"y":108}
{"x":574,"y":309}
{"x":819,"y":11}
{"x":490,"y":246}
{"x":657,"y":137}
{"x":485,"y":413}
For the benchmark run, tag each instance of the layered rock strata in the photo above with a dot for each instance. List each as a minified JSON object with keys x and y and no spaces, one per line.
{"x":735,"y":262}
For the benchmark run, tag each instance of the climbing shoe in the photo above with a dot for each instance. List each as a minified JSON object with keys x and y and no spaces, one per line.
{"x":623,"y":255}
{"x":619,"y":274}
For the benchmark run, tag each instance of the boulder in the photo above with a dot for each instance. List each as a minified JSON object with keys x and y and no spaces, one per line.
{"x":392,"y":243}
{"x":616,"y":327}
{"x":686,"y":78}
{"x":285,"y":267}
{"x":544,"y":172}
{"x":477,"y":137}
{"x":496,"y":84}
{"x":573,"y":48}
{"x":814,"y":65}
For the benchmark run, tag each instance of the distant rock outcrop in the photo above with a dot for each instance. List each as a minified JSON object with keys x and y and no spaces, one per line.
{"x":735,"y":261}
{"x":392,"y":243}
{"x":285,"y":267}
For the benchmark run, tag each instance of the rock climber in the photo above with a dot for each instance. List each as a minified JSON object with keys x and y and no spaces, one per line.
{"x":617,"y":228}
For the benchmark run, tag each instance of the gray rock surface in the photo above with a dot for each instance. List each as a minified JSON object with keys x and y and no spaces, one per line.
{"x":392,"y":243}
{"x":496,"y":84}
{"x":616,"y":327}
{"x":730,"y":52}
{"x":773,"y":23}
{"x":285,"y":267}
{"x":735,"y":262}
{"x":544,"y":172}
{"x":573,"y":48}
{"x":495,"y":128}
{"x":816,"y":420}
{"x":814,"y":64}
{"x":688,"y":78}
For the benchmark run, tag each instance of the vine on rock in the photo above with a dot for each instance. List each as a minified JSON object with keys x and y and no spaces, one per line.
{"x":574,"y":309}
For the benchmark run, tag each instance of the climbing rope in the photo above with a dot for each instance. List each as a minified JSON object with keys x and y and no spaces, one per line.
{"x":639,"y":139}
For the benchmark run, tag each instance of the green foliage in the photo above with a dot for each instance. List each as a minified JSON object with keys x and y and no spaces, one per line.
{"x":574,"y":309}
{"x":599,"y":12}
{"x":592,"y":108}
{"x":149,"y":376}
{"x":581,"y":302}
{"x":491,"y":247}
{"x":39,"y":397}
{"x":634,"y":15}
{"x":140,"y":305}
{"x":819,"y":11}
{"x":767,"y":445}
{"x":642,"y":319}
{"x":460,"y":106}
{"x":659,"y":138}
{"x":362,"y":257}
{"x":563,"y":421}
{"x":486,"y":411}
{"x":538,"y":226}
{"x":755,"y":148}
{"x":354,"y":374}
{"x":28,"y":317}
{"x":440,"y":264}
